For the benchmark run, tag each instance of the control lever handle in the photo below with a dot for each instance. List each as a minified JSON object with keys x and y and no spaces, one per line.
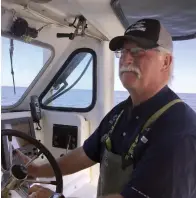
{"x":65,"y":35}
{"x":68,"y":144}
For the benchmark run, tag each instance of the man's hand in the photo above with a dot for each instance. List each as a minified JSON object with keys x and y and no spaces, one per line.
{"x":32,"y":168}
{"x":37,"y":191}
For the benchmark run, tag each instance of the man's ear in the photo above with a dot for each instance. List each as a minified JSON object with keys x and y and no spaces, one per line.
{"x":167,"y":62}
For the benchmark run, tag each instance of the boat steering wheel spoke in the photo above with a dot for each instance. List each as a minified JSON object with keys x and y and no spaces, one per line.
{"x":16,"y":177}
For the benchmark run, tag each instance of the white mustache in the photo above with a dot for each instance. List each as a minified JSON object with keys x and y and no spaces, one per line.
{"x":130,"y":68}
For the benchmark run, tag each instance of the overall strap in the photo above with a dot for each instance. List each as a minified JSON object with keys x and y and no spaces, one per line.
{"x":151,"y":120}
{"x":106,"y":137}
{"x":156,"y":115}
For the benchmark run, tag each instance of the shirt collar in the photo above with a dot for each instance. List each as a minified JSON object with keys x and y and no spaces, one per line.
{"x":150,"y":106}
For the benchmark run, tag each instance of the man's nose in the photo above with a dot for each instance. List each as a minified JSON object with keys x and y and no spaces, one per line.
{"x":127,"y":58}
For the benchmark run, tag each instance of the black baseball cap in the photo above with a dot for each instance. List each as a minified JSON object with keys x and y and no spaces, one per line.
{"x":147,"y":33}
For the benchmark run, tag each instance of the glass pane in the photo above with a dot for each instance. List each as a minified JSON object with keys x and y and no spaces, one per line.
{"x":184,"y":83}
{"x":28,"y":60}
{"x":74,"y":87}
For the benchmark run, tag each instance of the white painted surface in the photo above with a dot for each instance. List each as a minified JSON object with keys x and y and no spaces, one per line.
{"x":75,"y":181}
{"x":13,"y":115}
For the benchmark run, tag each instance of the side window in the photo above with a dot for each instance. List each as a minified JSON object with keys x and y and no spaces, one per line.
{"x":21,"y":63}
{"x":74,"y":85}
{"x":183,"y":82}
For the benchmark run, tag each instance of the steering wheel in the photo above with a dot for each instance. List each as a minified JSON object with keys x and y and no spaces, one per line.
{"x":17,"y":173}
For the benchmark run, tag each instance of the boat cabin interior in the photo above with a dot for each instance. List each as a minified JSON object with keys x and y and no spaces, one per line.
{"x":59,"y":77}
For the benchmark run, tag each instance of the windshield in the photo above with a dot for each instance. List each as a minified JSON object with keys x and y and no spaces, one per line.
{"x":20,"y":69}
{"x":184,"y":74}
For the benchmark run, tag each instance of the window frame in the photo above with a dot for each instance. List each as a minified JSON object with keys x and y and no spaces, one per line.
{"x":39,"y":74}
{"x":94,"y":81}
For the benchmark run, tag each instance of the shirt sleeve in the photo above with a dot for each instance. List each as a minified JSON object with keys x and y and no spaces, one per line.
{"x":92,"y":146}
{"x":166,"y":170}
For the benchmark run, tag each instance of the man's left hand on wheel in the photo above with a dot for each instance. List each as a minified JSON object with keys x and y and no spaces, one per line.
{"x":38,"y":191}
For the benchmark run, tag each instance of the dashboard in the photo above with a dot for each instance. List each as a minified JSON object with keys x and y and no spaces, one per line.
{"x":20,"y":121}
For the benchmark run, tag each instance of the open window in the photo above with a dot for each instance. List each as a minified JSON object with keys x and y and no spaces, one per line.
{"x":22,"y":64}
{"x":74,"y":86}
{"x":183,"y":82}
{"x":178,"y":16}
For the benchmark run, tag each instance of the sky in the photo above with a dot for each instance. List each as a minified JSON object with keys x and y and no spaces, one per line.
{"x":184,"y":68}
{"x":28,"y":60}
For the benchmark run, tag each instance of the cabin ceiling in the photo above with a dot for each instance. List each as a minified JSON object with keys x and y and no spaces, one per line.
{"x":101,"y":20}
{"x":178,"y":16}
{"x":109,"y":18}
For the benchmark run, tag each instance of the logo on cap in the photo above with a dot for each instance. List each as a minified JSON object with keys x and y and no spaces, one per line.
{"x":139,"y":26}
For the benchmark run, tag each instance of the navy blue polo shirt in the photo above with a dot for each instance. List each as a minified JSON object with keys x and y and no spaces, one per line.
{"x":167,"y":166}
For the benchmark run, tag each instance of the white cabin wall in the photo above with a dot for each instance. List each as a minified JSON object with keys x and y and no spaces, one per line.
{"x":105,"y":95}
{"x":105,"y":85}
{"x":109,"y":26}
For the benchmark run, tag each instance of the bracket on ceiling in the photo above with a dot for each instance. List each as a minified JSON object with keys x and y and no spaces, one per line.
{"x":79,"y":29}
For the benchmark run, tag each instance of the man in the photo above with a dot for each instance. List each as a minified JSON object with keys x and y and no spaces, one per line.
{"x":146,"y":145}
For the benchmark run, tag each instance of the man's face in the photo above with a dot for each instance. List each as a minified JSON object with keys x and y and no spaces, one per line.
{"x":139,"y":68}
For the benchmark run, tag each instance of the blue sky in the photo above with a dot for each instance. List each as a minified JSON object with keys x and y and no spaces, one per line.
{"x":29,"y":60}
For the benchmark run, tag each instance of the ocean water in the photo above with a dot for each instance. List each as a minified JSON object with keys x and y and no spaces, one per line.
{"x":79,"y":98}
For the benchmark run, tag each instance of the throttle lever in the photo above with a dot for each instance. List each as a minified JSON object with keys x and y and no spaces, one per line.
{"x":68,"y":144}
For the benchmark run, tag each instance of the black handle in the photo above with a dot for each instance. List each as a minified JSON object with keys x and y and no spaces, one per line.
{"x":63,"y":35}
